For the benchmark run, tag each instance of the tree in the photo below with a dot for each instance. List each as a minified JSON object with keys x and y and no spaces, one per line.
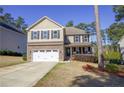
{"x":99,"y":40}
{"x":20,"y":23}
{"x":119,"y":12}
{"x":8,"y":18}
{"x":70,"y":24}
{"x":82,"y":26}
{"x":24,"y":28}
{"x":87,"y":27}
{"x":116,"y":31}
{"x":92,"y":27}
{"x":1,"y":10}
{"x":1,"y":14}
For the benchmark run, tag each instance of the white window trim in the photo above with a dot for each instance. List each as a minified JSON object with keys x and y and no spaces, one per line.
{"x":55,"y":36}
{"x":50,"y":33}
{"x":36,"y":36}
{"x":46,"y":35}
{"x":77,"y":40}
{"x":85,"y":38}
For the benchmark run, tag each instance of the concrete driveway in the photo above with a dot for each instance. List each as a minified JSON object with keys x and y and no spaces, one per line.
{"x":24,"y":75}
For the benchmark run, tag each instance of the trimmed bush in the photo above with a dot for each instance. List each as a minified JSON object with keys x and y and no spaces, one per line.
{"x":84,"y":58}
{"x":112,"y":68}
{"x":9,"y":53}
{"x":24,"y":57}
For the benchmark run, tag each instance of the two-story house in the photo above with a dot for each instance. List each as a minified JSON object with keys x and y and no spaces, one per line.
{"x":50,"y":41}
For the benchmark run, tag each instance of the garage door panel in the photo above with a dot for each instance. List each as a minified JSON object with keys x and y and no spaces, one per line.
{"x":46,"y":56}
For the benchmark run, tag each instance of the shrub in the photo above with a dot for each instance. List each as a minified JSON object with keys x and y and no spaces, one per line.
{"x":115,"y":61}
{"x":9,"y":53}
{"x":112,"y":68}
{"x":112,"y":55}
{"x":24,"y":57}
{"x":84,"y":58}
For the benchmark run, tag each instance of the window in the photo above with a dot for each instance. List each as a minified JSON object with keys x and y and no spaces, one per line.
{"x":54,"y":50}
{"x":48,"y":50}
{"x":55,"y":34}
{"x":77,"y":39}
{"x":41,"y":50}
{"x":44,"y":34}
{"x":85,"y":38}
{"x":18,"y":47}
{"x":35,"y":35}
{"x":87,"y":50}
{"x":35,"y":50}
{"x":77,"y":50}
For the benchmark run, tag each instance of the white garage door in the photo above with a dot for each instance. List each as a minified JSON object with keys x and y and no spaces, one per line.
{"x":45,"y":56}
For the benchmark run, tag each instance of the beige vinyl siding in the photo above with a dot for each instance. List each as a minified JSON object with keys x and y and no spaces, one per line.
{"x":71,"y":38}
{"x":46,"y":25}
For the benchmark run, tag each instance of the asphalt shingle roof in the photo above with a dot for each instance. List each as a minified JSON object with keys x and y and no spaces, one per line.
{"x":74,"y":31}
{"x":7,"y":26}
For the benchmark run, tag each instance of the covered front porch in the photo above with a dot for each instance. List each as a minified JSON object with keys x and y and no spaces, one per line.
{"x":71,"y":50}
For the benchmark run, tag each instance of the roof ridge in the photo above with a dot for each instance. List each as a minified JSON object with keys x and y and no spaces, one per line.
{"x":7,"y":26}
{"x":42,"y":18}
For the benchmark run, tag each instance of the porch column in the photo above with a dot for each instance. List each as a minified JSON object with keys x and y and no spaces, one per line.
{"x":70,"y":51}
{"x":81,"y":50}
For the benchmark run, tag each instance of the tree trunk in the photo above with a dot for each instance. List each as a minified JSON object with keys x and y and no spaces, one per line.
{"x":99,"y":40}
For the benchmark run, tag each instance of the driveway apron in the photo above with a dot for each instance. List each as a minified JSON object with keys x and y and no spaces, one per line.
{"x":24,"y":75}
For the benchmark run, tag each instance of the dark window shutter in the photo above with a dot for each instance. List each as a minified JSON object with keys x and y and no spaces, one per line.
{"x":41,"y":34}
{"x":32,"y":35}
{"x":37,"y":34}
{"x":74,"y":38}
{"x":48,"y":34}
{"x":58,"y":34}
{"x":79,"y":38}
{"x":51,"y":33}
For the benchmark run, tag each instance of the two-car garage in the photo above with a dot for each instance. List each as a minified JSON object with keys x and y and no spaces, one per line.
{"x":49,"y":55}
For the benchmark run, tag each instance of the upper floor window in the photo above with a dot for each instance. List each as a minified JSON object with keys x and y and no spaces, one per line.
{"x":55,"y":34}
{"x":35,"y":35}
{"x":77,"y":39}
{"x":44,"y":34}
{"x":85,"y":38}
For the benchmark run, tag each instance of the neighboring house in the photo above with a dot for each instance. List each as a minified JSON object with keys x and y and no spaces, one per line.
{"x":121,"y":45}
{"x":50,"y":41}
{"x":12,"y":38}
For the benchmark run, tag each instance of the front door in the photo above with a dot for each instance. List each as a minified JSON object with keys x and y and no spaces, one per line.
{"x":68,"y":52}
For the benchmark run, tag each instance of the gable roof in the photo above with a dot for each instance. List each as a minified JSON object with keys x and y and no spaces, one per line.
{"x":74,"y":31}
{"x":41,"y":19}
{"x":10,"y":27}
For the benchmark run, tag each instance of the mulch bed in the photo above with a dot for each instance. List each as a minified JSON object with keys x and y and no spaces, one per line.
{"x":97,"y":71}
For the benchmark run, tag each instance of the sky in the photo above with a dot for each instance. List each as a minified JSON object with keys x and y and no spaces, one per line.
{"x":63,"y":14}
